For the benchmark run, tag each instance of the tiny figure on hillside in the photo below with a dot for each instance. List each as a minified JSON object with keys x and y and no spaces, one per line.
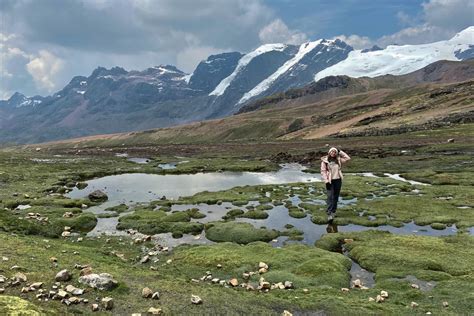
{"x":331,"y":173}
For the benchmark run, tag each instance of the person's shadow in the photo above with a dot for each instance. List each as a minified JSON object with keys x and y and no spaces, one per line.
{"x":331,"y":228}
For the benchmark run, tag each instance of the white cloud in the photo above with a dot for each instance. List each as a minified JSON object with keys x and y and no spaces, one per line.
{"x":189,"y":58}
{"x":278,"y":32}
{"x":440,"y":20}
{"x":44,"y":69}
{"x":356,"y":41}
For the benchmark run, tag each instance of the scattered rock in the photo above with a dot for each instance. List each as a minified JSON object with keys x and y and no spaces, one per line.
{"x":74,"y":290}
{"x":379,"y":299}
{"x":414,"y":304}
{"x":344,"y":289}
{"x":145,"y":259}
{"x":95,"y":307}
{"x":384,"y":294}
{"x":53,"y":259}
{"x":415,"y":286}
{"x":98,"y":196}
{"x":103,"y":281}
{"x":288,"y":285}
{"x":20,"y":277}
{"x":147,"y":292}
{"x":371,"y":299}
{"x":451,"y":140}
{"x":305,"y":291}
{"x":2,"y":290}
{"x":357,"y":283}
{"x":62,"y":294}
{"x":66,"y":234}
{"x":348,"y":240}
{"x":196,"y":299}
{"x":63,"y":275}
{"x":154,"y":311}
{"x":155,"y":296}
{"x":108,"y":303}
{"x":286,"y":313}
{"x":219,"y":266}
{"x":85,"y":271}
{"x":234,"y":282}
{"x":445,"y":304}
{"x":36,"y":285}
{"x":68,"y":214}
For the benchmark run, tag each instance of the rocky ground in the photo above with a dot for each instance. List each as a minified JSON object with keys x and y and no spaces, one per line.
{"x":50,"y":266}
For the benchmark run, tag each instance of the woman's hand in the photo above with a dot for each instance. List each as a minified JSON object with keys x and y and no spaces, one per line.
{"x":328,"y":186}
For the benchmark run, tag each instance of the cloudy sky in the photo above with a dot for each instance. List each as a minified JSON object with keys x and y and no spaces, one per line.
{"x":44,"y":43}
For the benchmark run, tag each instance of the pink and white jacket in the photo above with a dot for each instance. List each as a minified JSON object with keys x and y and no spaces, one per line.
{"x":326,"y":173}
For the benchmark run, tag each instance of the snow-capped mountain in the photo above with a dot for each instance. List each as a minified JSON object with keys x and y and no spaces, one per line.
{"x":18,"y":100}
{"x":399,"y":60}
{"x":117,"y":100}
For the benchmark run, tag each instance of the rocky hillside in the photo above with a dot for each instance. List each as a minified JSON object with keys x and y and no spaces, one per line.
{"x":116,"y":100}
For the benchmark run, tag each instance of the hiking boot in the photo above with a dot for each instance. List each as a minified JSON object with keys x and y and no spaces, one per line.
{"x":330,"y":217}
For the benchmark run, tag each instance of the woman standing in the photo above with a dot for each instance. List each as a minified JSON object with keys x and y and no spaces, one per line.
{"x":332,"y":176}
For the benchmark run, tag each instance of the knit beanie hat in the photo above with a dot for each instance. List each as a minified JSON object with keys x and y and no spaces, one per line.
{"x":333,"y":148}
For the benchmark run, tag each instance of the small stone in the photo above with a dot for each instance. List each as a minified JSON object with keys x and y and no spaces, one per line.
{"x":384,"y":294}
{"x":108,"y":303}
{"x":154,"y":311}
{"x":219,"y":266}
{"x":445,"y":304}
{"x":62,"y":294}
{"x":245,"y":276}
{"x":63,"y":275}
{"x":415,"y":286}
{"x":5,"y":258}
{"x":344,"y":289}
{"x":155,"y":296}
{"x":66,"y":234}
{"x":147,"y":292}
{"x":145,"y":259}
{"x":95,"y":307}
{"x":234,"y":282}
{"x":357,"y":283}
{"x":74,"y":290}
{"x":348,"y":240}
{"x":53,"y":259}
{"x":262,"y":265}
{"x":67,"y":228}
{"x":36,"y":285}
{"x":74,"y":300}
{"x":3,"y":279}
{"x":2,"y":290}
{"x":414,"y":304}
{"x":288,"y":285}
{"x":364,"y":288}
{"x":169,"y":261}
{"x":305,"y":291}
{"x":222,"y":282}
{"x":85,"y":271}
{"x":103,"y":281}
{"x":25,"y":290}
{"x":215,"y":280}
{"x":286,"y":313}
{"x":371,"y":299}
{"x":196,"y":299}
{"x":262,"y":270}
{"x":20,"y":277}
{"x":379,"y":299}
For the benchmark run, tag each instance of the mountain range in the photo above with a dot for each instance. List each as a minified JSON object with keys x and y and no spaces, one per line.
{"x":116,"y":100}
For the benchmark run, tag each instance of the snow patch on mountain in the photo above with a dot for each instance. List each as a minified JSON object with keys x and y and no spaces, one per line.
{"x":244,"y":61}
{"x":399,"y":60}
{"x":265,"y":84}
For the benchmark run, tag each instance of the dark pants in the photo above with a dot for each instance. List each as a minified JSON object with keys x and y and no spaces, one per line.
{"x":333,"y":195}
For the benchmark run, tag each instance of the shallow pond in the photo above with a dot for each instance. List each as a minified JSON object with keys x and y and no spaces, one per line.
{"x":139,"y":187}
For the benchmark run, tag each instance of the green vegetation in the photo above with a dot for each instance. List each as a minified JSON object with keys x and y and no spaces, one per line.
{"x":241,"y":233}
